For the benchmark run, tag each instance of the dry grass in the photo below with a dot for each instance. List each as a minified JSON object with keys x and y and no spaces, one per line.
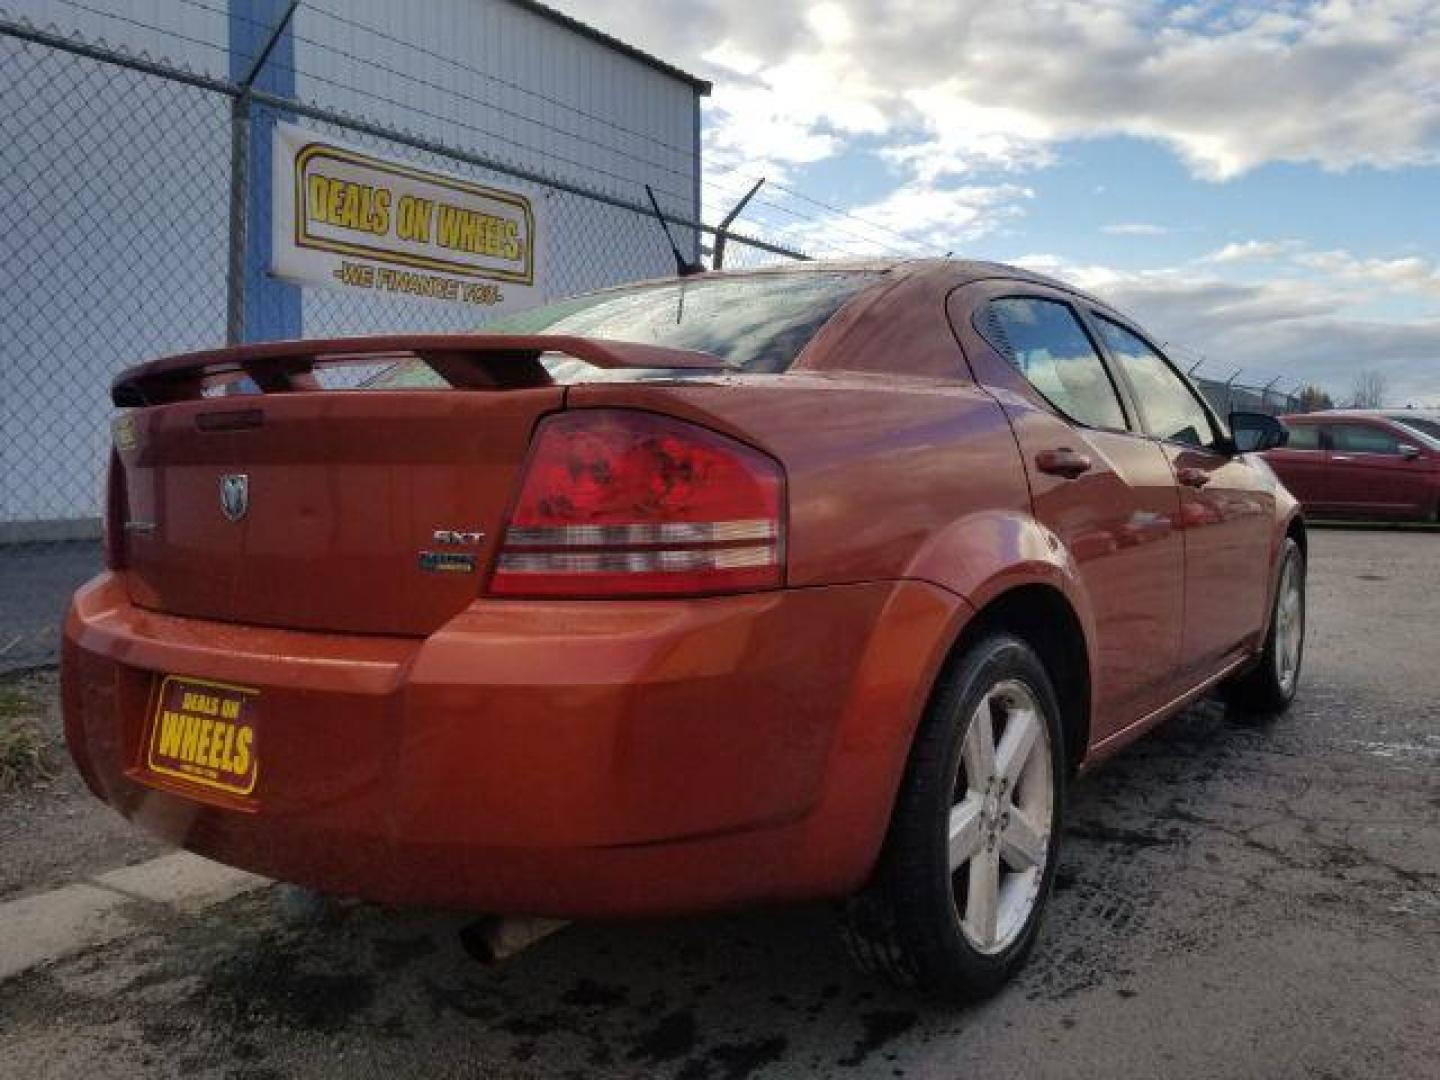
{"x":24,"y":752}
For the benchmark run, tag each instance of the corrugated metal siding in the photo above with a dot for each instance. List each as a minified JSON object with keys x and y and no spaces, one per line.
{"x":491,"y":76}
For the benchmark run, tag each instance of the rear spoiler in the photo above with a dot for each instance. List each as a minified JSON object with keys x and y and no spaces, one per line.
{"x":465,"y":361}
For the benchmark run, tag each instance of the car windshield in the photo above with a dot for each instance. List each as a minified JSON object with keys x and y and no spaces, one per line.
{"x":758,"y":323}
{"x":1427,"y":429}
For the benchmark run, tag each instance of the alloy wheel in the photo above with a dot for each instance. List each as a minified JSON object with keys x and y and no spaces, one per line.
{"x":999,"y":826}
{"x":1289,"y":626}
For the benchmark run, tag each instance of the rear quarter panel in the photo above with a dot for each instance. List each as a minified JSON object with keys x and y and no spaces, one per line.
{"x":888,"y":479}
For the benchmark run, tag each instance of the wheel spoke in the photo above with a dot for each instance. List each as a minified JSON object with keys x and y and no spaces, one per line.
{"x":982,"y":902}
{"x":1021,"y":845}
{"x":979,"y":749}
{"x":965,"y":829}
{"x":1022,"y":729}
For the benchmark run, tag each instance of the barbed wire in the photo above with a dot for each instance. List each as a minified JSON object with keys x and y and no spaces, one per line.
{"x":839,"y":218}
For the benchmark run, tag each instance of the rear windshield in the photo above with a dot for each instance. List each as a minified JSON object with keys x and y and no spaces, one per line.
{"x":758,"y":323}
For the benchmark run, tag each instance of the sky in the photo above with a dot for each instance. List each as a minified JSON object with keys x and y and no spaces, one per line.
{"x":1257,"y":184}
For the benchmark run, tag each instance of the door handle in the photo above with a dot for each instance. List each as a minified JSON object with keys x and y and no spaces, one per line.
{"x":1062,"y":462}
{"x":1191,"y":477}
{"x":1341,"y":457}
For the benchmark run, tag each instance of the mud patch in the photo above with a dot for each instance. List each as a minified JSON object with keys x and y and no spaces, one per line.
{"x":880,"y":1028}
{"x":734,"y":1061}
{"x":589,"y":994}
{"x":264,"y":987}
{"x":672,"y":1038}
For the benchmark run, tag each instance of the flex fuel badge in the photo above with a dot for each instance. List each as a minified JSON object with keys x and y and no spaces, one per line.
{"x":447,"y":562}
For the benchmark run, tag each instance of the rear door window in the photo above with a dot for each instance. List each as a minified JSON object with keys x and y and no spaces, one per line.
{"x":1046,"y":343}
{"x":1363,"y":439}
{"x":1303,"y":437}
{"x":1172,"y":410}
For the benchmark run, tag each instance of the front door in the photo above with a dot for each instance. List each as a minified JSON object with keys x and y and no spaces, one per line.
{"x":1227,"y":506}
{"x":1106,"y":492}
{"x":1369,"y":473}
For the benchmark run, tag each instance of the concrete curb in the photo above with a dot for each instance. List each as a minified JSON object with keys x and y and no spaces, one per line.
{"x":41,"y":929}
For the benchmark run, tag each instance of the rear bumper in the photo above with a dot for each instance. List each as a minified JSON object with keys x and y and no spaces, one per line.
{"x":559,"y":758}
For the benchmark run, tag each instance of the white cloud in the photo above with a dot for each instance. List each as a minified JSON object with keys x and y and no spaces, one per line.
{"x":957,"y":86}
{"x":1410,"y":274}
{"x":1253,"y":251}
{"x":915,"y":218}
{"x":1135,"y":228}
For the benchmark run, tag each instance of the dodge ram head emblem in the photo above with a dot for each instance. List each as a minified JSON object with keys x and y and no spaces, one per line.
{"x":235,"y":495}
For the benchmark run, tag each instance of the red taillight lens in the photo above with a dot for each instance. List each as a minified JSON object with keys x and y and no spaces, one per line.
{"x":115,"y":511}
{"x":631,"y":503}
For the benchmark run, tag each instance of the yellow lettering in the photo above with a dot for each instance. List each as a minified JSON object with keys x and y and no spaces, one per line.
{"x":217,"y":743}
{"x":380,"y":218}
{"x":202,"y":745}
{"x":188,"y":740}
{"x":318,"y":195}
{"x":240,"y":763}
{"x":172,"y":728}
{"x":412,"y":219}
{"x":224,"y":762}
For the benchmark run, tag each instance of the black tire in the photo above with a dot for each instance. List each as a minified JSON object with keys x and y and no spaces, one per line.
{"x":1264,"y":690}
{"x":907,"y":924}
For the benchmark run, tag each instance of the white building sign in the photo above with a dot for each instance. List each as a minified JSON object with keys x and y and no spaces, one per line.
{"x":345,"y":218}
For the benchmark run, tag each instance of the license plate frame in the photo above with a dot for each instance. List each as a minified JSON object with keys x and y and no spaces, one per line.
{"x":204,"y":733}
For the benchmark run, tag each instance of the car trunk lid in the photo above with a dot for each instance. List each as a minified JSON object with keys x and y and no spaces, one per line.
{"x":359,"y":511}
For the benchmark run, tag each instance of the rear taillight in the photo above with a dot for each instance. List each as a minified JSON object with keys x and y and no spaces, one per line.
{"x":115,"y":512}
{"x":630,"y":503}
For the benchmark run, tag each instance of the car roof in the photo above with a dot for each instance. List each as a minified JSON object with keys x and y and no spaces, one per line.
{"x":1346,"y":414}
{"x":958,"y":271}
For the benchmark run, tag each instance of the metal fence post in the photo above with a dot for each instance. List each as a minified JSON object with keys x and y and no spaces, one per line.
{"x":239,"y":187}
{"x":246,"y":186}
{"x":717,"y":261}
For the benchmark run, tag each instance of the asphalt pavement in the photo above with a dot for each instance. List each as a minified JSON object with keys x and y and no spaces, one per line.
{"x":1235,"y":900}
{"x":36,"y":580}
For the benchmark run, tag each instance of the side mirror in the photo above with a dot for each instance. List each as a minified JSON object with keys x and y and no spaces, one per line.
{"x":1408,"y":451}
{"x":1253,"y":432}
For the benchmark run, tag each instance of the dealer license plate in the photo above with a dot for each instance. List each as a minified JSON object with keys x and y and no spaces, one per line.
{"x":204,"y":733}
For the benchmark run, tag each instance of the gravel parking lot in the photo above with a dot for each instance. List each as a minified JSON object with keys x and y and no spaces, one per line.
{"x":1235,"y":901}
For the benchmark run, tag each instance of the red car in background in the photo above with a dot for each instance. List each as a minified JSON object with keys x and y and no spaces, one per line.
{"x":1363,"y":463}
{"x":812,"y":583}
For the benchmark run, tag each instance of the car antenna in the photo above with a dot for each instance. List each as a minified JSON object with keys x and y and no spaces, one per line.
{"x":683,"y":267}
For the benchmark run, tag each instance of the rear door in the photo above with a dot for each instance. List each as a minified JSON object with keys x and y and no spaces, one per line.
{"x":1302,"y":464}
{"x":1105,"y":491}
{"x":1369,"y":474}
{"x":1227,"y":502}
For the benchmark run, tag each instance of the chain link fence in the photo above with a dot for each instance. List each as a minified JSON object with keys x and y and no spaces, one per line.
{"x":1228,"y":397}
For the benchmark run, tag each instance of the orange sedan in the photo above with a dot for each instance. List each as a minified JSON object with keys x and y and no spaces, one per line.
{"x":735,"y":589}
